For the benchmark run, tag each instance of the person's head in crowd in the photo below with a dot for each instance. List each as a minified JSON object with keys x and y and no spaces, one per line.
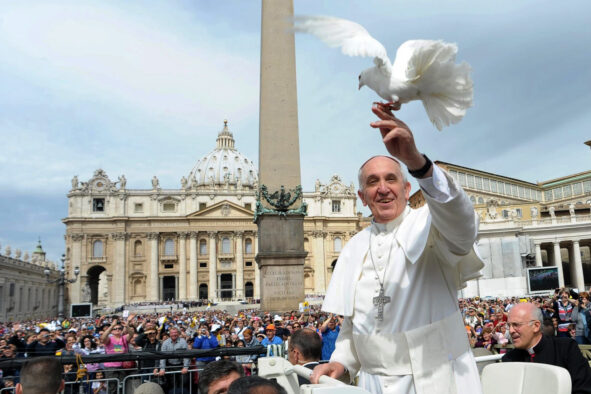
{"x":332,"y":323}
{"x":305,"y":346}
{"x":260,"y":336}
{"x":149,"y":388}
{"x":572,"y":330}
{"x":255,"y":385}
{"x":70,"y":341}
{"x":3,"y":343}
{"x":151,"y":334}
{"x":270,"y":331}
{"x":239,"y":343}
{"x":44,"y":336}
{"x":174,"y":333}
{"x":297,"y":326}
{"x":548,"y":327}
{"x":41,"y":375}
{"x":87,"y":342}
{"x":525,"y":325}
{"x":9,"y":351}
{"x":247,"y":334}
{"x":217,"y":376}
{"x":240,"y":323}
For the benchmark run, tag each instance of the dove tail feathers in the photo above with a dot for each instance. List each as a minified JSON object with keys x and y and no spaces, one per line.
{"x":445,"y":87}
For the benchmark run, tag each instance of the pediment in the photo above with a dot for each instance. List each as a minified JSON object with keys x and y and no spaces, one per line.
{"x":223,"y":210}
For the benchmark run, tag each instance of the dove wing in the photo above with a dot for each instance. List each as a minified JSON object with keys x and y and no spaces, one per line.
{"x":351,"y":37}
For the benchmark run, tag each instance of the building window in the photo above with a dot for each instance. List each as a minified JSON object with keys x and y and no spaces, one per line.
{"x":473,"y":199}
{"x":577,"y":189}
{"x":97,"y":249}
{"x":518,"y":212}
{"x":505,"y":214}
{"x":202,"y":265}
{"x":138,"y":248}
{"x":98,"y":205}
{"x":138,"y":207}
{"x":202,"y":206}
{"x":226,"y":247}
{"x":169,"y":247}
{"x":548,"y":195}
{"x":493,"y":186}
{"x":248,"y":290}
{"x":248,"y":264}
{"x":480,"y":200}
{"x":202,"y":247}
{"x":558,"y":193}
{"x":168,"y":266}
{"x":248,"y":246}
{"x":567,"y":191}
{"x":336,"y":206}
{"x":470,"y":181}
{"x":11,"y":290}
{"x":168,"y":207}
{"x":248,"y":206}
{"x":338,"y":244}
{"x":478,"y":183}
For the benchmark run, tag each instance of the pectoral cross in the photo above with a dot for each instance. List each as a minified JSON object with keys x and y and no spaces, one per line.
{"x":380,"y":301}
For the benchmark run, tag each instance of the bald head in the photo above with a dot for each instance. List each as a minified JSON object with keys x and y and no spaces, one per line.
{"x":528,"y":311}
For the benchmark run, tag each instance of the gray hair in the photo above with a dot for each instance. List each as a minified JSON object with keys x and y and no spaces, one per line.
{"x":360,"y":173}
{"x":536,"y":314}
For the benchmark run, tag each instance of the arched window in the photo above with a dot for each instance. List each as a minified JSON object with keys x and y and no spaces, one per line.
{"x":97,"y":249}
{"x":473,"y":199}
{"x":169,"y":247}
{"x":138,"y":248}
{"x":248,"y":246}
{"x":226,"y":247}
{"x":203,"y":247}
{"x":480,"y":200}
{"x":338,"y":244}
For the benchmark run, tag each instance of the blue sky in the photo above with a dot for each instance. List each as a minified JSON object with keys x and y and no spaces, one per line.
{"x":142,"y":88}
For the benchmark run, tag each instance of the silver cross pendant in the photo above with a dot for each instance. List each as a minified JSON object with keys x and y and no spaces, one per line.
{"x":380,"y":301}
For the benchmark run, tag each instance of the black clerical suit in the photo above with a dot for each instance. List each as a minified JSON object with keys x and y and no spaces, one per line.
{"x":562,"y":352}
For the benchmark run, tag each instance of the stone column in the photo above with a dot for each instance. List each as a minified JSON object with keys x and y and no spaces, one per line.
{"x":577,"y":267}
{"x":154,"y":294}
{"x":119,"y":272}
{"x":193,"y":288}
{"x":213,"y":266}
{"x":75,"y":261}
{"x":558,"y":263}
{"x":319,"y":263}
{"x":239,"y":265}
{"x":539,"y":262}
{"x":257,"y":271}
{"x":281,"y":251}
{"x":182,"y":266}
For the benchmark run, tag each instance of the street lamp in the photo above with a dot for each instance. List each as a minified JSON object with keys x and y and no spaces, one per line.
{"x":61,"y":283}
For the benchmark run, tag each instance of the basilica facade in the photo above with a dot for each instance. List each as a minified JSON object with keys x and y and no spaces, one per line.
{"x":197,"y":242}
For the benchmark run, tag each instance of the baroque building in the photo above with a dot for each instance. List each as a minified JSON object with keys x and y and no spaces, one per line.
{"x":25,"y":292}
{"x":525,"y":225}
{"x":197,"y":242}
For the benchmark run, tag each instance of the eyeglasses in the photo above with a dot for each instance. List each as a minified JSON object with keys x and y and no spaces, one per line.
{"x":518,"y":325}
{"x":117,"y":328}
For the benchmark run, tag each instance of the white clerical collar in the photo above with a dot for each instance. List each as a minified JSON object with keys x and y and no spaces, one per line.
{"x":391,"y":225}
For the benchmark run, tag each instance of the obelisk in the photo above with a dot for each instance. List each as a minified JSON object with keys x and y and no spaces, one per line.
{"x":280,"y":209}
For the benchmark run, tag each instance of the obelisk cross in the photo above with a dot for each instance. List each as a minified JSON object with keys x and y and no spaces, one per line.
{"x":380,"y":301}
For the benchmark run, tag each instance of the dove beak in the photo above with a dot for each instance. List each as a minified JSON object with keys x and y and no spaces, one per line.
{"x":360,"y":85}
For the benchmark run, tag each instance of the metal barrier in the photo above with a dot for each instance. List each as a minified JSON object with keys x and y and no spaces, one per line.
{"x":171,"y":380}
{"x":7,"y":390}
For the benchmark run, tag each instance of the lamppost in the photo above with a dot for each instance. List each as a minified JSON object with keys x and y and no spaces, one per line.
{"x":61,"y":283}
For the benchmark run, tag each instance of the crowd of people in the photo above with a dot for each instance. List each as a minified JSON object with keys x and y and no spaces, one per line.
{"x":170,"y":331}
{"x":566,"y":314}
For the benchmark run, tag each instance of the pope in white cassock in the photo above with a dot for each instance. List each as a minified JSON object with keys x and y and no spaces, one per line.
{"x":396,"y":281}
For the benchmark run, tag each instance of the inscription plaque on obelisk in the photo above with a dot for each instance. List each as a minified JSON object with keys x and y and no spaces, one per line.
{"x":280,"y":208}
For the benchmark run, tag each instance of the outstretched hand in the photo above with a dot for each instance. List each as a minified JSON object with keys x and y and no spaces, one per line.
{"x":397,"y":137}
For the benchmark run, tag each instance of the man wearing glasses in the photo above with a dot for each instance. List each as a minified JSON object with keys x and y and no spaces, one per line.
{"x":525,"y":327}
{"x":44,"y":345}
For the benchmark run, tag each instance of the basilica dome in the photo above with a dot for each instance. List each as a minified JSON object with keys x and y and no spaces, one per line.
{"x":224,"y":165}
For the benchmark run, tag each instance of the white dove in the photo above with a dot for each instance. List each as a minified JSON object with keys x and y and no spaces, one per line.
{"x":423,"y":69}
